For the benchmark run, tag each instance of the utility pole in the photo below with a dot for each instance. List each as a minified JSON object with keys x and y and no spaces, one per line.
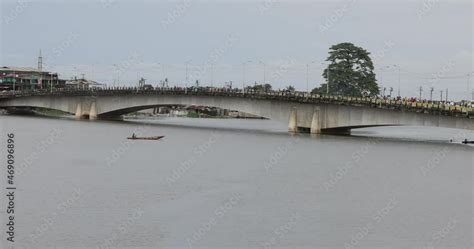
{"x":421,"y":91}
{"x":447,"y":90}
{"x":441,"y":96}
{"x":431,"y":93}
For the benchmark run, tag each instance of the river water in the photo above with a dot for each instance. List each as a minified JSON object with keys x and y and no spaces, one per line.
{"x":236,"y":184}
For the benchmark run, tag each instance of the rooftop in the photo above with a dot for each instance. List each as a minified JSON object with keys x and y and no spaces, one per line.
{"x":19,"y":69}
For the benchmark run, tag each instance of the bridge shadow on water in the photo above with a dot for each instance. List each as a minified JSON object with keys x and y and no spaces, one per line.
{"x":393,"y":134}
{"x":396,"y":134}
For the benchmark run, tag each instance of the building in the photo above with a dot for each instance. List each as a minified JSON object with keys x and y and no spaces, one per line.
{"x":82,"y":83}
{"x":27,"y":78}
{"x":22,"y":78}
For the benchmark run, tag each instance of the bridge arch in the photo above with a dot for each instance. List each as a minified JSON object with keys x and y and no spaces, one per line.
{"x":110,"y":107}
{"x":120,"y":112}
{"x":316,"y":117}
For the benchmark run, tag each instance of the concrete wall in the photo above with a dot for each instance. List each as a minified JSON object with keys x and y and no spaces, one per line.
{"x":318,"y":117}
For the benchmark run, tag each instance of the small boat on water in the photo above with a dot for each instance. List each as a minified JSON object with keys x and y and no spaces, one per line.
{"x":467,"y":142}
{"x":145,"y":138}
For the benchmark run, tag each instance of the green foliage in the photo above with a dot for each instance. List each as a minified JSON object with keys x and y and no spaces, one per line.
{"x":290,"y":89}
{"x":192,"y":115}
{"x":260,"y":88}
{"x":350,"y":72}
{"x":319,"y":90}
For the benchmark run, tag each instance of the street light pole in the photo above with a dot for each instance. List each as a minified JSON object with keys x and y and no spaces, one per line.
{"x":160,"y":81}
{"x":264,"y":71}
{"x":14,"y":81}
{"x":162,"y":66}
{"x":244,"y":64}
{"x":307,"y":76}
{"x":329,"y":76}
{"x":212,"y":75}
{"x":381,"y":77}
{"x":329,"y":79}
{"x":468,"y":84}
{"x":164,"y":74}
{"x":187,"y":78}
{"x":399,"y":79}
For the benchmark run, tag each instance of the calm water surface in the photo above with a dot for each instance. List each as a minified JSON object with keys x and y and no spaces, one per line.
{"x":238,"y":184}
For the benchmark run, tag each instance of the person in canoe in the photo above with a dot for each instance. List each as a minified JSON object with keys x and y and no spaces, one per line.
{"x":467,"y":141}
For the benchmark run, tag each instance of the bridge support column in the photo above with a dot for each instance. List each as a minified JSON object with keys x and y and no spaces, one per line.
{"x":79,"y":111}
{"x":293,"y":122}
{"x":316,"y":123}
{"x":93,"y":112}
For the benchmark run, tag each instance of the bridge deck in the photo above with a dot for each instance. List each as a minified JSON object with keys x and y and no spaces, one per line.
{"x":430,"y":107}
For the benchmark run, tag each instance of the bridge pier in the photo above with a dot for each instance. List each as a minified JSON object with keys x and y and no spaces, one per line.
{"x":316,"y":123}
{"x":79,"y":111}
{"x":93,"y":112}
{"x":293,"y":122}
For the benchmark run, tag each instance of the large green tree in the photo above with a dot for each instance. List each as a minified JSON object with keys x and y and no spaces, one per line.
{"x":260,"y":88}
{"x":350,"y":72}
{"x":290,"y":88}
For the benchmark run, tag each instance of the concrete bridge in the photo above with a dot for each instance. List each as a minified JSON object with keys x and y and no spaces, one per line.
{"x":303,"y":112}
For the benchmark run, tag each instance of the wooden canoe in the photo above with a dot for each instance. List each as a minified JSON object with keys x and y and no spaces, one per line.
{"x":146,"y":138}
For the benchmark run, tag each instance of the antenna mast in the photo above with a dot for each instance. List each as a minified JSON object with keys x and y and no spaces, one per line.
{"x":40,"y":69}
{"x":40,"y":62}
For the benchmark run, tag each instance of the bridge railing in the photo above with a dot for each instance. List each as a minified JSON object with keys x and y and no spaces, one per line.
{"x":446,"y":108}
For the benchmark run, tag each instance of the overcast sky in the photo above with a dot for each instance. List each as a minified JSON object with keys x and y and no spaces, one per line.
{"x":111,"y":40}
